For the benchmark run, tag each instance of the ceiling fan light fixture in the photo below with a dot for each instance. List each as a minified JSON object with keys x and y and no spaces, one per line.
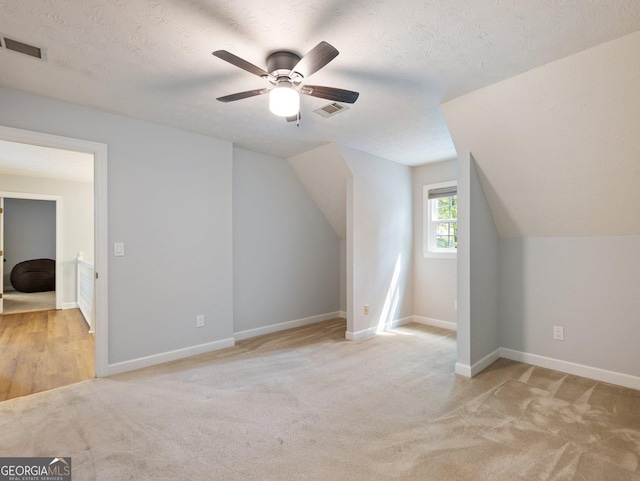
{"x":284,"y":99}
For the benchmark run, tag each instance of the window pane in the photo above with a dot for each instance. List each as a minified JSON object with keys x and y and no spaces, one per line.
{"x":442,"y":242}
{"x":442,"y":228}
{"x":446,"y":235}
{"x":444,"y":208}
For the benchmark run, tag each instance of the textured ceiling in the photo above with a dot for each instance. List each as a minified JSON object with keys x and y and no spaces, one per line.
{"x":151,"y":59}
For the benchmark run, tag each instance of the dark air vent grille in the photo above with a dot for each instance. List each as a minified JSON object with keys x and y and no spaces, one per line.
{"x":332,"y":108}
{"x":20,"y":47}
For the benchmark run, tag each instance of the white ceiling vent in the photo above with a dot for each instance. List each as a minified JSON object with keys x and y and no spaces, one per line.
{"x":17,"y":46}
{"x":331,"y":109}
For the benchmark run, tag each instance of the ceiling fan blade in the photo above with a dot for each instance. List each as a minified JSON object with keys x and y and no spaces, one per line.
{"x":320,"y":55}
{"x":294,"y":118}
{"x":241,"y":63}
{"x":242,"y":95}
{"x":330,"y":93}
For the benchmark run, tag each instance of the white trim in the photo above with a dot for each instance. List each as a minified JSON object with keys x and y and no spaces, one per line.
{"x":471,"y":371}
{"x":573,"y":368}
{"x":399,"y":322}
{"x":451,"y":326}
{"x":69,"y":305}
{"x":343,"y":314}
{"x":485,"y":362}
{"x":281,"y":326}
{"x":463,"y":369}
{"x":99,"y":152}
{"x":58,"y":199}
{"x":174,"y":355}
{"x":359,"y":335}
{"x":372,"y":331}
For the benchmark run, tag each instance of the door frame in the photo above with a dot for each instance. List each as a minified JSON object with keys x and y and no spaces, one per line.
{"x":99,"y":151}
{"x":59,"y":234}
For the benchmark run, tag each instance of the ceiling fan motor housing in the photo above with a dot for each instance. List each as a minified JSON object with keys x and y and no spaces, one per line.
{"x":280,"y":64}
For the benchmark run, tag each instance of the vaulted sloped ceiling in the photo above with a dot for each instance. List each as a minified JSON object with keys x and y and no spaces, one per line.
{"x":324,"y":173}
{"x":558,"y":147}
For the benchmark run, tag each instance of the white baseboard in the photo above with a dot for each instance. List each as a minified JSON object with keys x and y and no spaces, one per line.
{"x":284,"y":325}
{"x":452,"y":326}
{"x":590,"y":372}
{"x":470,"y":371}
{"x":69,"y":305}
{"x":358,"y":335}
{"x":343,"y":314}
{"x":372,"y":331}
{"x":485,"y":362}
{"x":148,"y":361}
{"x":399,"y":322}
{"x":463,"y":369}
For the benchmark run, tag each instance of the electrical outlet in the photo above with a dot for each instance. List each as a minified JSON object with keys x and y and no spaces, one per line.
{"x":366,"y":309}
{"x":200,"y":320}
{"x":558,"y":333}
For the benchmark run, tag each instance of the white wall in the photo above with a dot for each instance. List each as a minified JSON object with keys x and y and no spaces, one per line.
{"x":434,"y":280}
{"x":77,"y":220}
{"x":589,"y":285}
{"x":170,"y":203}
{"x":379,"y":229}
{"x":286,"y":256}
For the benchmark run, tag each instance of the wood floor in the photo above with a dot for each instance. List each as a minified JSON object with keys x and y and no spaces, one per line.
{"x":44,"y":350}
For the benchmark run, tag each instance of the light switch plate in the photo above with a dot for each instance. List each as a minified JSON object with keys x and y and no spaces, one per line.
{"x":118,"y":249}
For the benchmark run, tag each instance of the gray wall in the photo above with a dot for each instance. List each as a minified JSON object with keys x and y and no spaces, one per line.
{"x":434,"y":280}
{"x":170,"y":203}
{"x":29,"y":232}
{"x":589,"y":285}
{"x":477,"y":271}
{"x":286,"y":256}
{"x":379,"y":225}
{"x":483,"y":273}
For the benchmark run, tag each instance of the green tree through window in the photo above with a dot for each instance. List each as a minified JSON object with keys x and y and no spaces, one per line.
{"x":440,"y":223}
{"x":446,"y":222}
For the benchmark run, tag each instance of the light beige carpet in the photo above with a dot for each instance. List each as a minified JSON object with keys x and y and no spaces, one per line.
{"x":307,"y":405}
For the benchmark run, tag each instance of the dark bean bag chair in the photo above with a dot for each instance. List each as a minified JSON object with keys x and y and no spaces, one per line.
{"x":36,"y":275}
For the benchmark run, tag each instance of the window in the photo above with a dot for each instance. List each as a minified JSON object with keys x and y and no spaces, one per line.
{"x":440,"y":207}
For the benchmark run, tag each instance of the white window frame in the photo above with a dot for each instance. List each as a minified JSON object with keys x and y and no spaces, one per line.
{"x":428,"y":232}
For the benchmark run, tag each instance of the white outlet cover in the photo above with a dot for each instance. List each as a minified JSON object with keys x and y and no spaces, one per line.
{"x":558,"y":333}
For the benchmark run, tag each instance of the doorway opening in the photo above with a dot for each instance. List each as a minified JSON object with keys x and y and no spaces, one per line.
{"x":31,"y":244}
{"x":89,"y":250}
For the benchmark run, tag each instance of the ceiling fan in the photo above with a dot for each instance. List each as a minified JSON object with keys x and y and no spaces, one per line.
{"x":286,"y":72}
